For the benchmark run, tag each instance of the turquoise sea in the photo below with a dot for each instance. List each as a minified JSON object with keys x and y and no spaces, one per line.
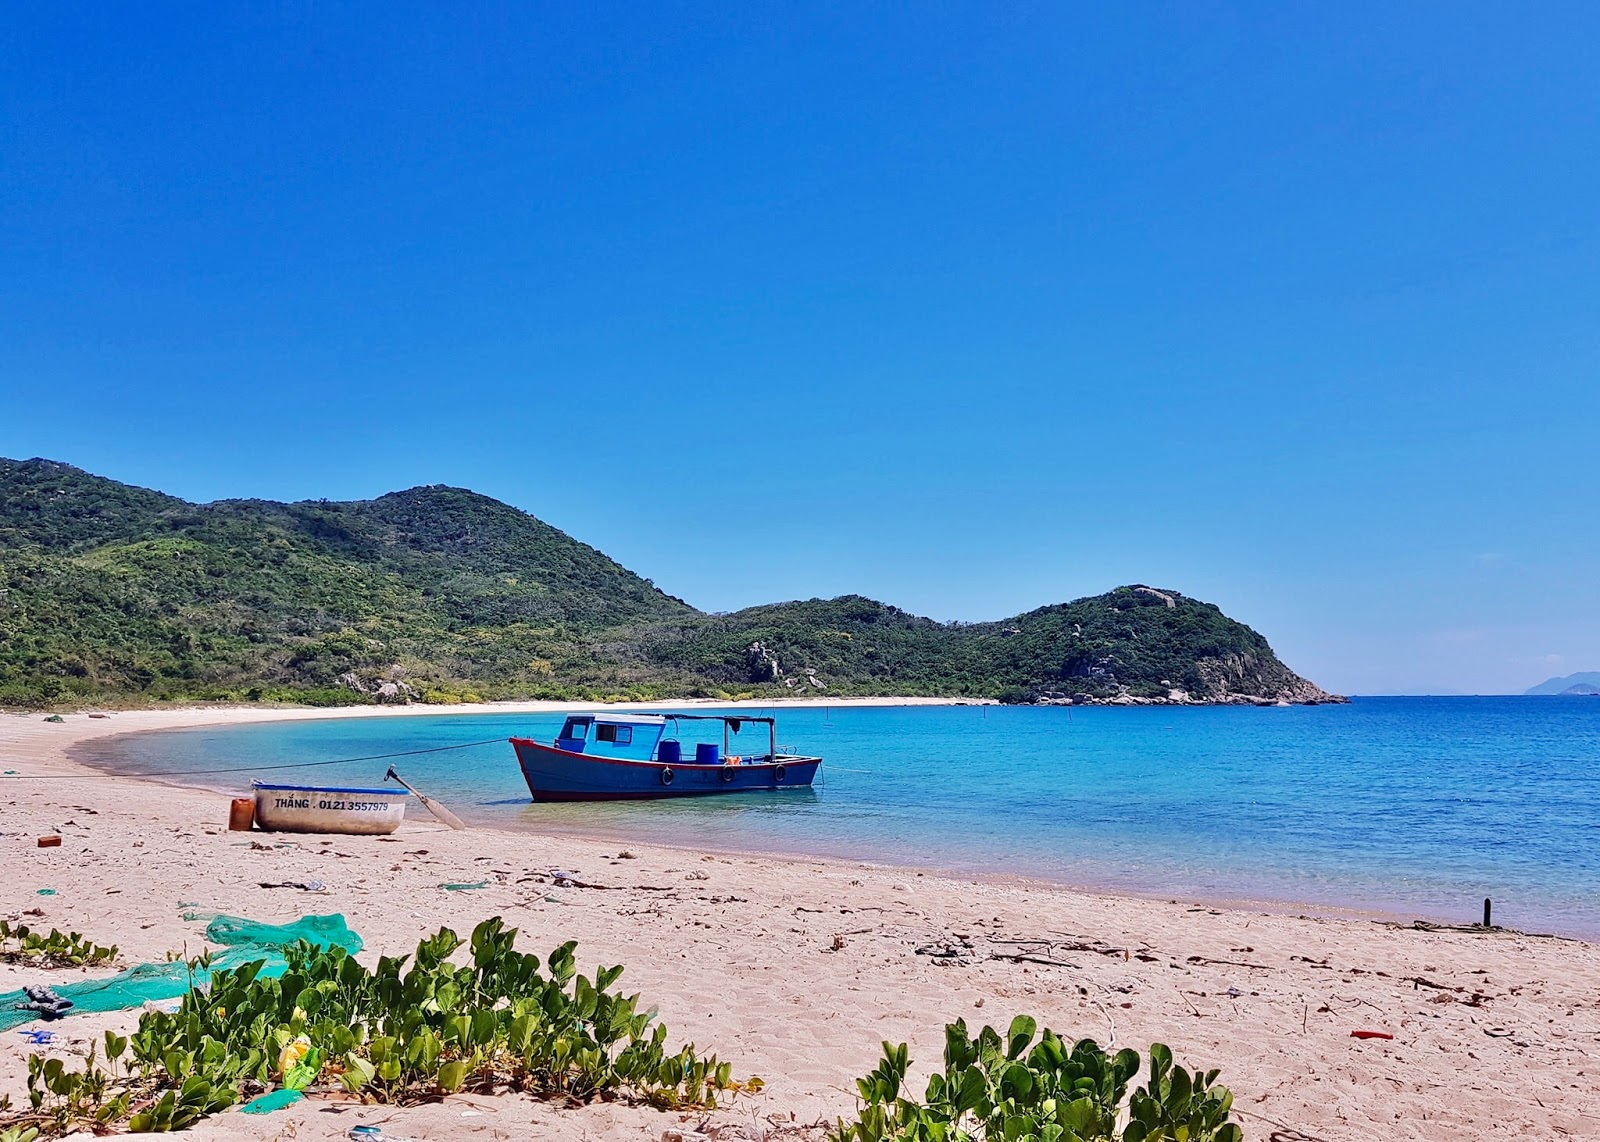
{"x":1414,"y":806}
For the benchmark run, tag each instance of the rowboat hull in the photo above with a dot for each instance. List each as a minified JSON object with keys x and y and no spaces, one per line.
{"x":559,"y":775}
{"x":314,"y":809}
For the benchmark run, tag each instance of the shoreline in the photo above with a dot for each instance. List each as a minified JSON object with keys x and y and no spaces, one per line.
{"x":1267,"y":903}
{"x":796,"y":967}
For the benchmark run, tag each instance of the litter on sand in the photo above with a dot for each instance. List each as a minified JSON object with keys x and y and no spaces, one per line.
{"x":303,"y":885}
{"x":272,"y":1100}
{"x":243,"y":941}
{"x":465,"y":887}
{"x":44,"y":1003}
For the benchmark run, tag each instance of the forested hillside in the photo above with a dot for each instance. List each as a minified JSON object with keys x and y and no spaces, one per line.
{"x":110,"y":592}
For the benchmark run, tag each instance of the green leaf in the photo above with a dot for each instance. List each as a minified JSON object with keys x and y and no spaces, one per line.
{"x":972,"y":1090}
{"x":452,"y":1075}
{"x":1020,"y":1035}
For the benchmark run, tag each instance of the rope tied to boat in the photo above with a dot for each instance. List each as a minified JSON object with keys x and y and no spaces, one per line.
{"x":237,"y":768}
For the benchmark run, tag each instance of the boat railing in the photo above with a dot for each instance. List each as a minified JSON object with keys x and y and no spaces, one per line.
{"x":748,"y":758}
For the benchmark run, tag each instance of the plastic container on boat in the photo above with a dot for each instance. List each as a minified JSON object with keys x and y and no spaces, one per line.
{"x":670,"y":752}
{"x":707,"y":753}
{"x":316,"y":809}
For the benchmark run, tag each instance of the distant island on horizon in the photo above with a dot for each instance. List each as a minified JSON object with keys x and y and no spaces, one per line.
{"x":1585,"y":683}
{"x":111,"y":592}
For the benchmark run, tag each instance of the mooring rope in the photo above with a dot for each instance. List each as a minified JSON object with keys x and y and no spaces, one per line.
{"x":237,"y":768}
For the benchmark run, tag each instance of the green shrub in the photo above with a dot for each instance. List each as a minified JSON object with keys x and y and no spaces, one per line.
{"x":390,"y":1034}
{"x":1014,"y":1089}
{"x":22,"y":945}
{"x":314,"y":696}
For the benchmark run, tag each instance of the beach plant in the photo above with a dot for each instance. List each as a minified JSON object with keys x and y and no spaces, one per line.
{"x":64,"y":1099}
{"x":1024,"y":1087}
{"x":19,"y":1133}
{"x":1178,"y":1104}
{"x":53,"y":949}
{"x":409,"y":1029}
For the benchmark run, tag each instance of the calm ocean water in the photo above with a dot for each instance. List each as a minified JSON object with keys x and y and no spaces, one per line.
{"x":1417,"y":806}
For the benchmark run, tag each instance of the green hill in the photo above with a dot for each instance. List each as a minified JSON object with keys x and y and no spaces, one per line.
{"x":112,"y":592}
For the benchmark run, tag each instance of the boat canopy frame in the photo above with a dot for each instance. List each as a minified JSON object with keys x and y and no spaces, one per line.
{"x":734,"y":722}
{"x":730,"y":722}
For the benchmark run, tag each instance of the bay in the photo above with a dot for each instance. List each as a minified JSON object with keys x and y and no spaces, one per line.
{"x":1408,"y":806}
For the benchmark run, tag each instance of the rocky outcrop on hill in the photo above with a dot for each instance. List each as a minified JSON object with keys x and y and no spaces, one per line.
{"x":1250,"y":678}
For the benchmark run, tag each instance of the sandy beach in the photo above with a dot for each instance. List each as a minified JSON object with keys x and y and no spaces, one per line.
{"x":797,"y":969}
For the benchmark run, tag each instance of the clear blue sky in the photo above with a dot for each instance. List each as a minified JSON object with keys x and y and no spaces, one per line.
{"x":1293,"y":308}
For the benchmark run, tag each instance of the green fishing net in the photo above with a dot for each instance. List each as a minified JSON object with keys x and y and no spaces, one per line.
{"x":243,"y":941}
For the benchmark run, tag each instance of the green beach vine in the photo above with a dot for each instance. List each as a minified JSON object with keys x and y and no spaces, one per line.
{"x":396,"y":1033}
{"x":52,"y":949}
{"x":1016,"y":1089}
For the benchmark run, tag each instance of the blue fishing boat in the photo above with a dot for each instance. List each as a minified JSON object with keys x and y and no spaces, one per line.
{"x":629,"y":757}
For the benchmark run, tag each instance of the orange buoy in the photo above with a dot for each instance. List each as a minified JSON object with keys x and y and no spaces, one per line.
{"x":242,"y":814}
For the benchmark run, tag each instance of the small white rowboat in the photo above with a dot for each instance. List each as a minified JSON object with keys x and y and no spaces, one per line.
{"x":314,"y":809}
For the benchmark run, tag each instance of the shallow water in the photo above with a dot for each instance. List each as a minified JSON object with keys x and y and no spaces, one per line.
{"x":1418,"y":806}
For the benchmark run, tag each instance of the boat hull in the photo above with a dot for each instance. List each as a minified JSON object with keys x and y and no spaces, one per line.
{"x":558,"y":775}
{"x":312,"y":809}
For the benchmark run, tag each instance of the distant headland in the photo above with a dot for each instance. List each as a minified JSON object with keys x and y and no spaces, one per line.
{"x":110,"y":592}
{"x":1583,"y":684}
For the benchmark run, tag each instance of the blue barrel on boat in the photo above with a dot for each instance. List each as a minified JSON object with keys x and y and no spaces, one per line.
{"x":707,"y":753}
{"x":670,"y":753}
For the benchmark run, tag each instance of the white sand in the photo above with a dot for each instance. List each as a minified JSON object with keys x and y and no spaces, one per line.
{"x":738,"y":952}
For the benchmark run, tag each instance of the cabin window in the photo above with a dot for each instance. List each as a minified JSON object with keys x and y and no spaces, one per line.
{"x":576,"y":728}
{"x":621,"y":735}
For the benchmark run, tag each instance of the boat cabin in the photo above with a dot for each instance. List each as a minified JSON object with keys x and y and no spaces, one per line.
{"x":629,"y":737}
{"x":640,"y":737}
